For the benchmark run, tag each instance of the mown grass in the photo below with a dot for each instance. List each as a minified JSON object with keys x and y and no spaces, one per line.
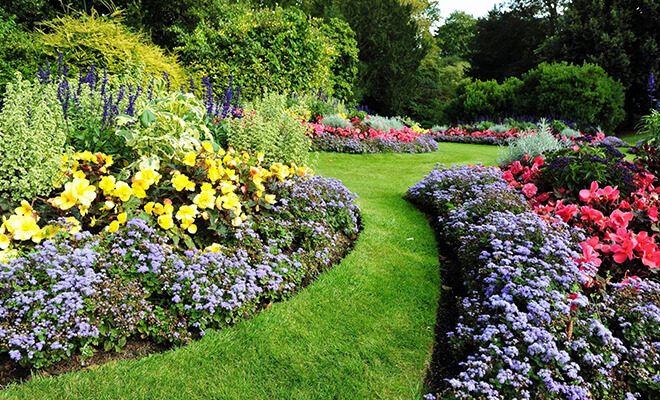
{"x":363,"y":330}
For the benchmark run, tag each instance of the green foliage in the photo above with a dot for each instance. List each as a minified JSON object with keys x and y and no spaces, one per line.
{"x":650,"y":126}
{"x":310,"y":106}
{"x":269,"y":126}
{"x":19,"y":51}
{"x":166,"y":127}
{"x":620,"y":36}
{"x":477,"y":98}
{"x":383,"y":123}
{"x":336,"y":121}
{"x":282,"y":50}
{"x":104,"y":42}
{"x":532,"y":143}
{"x":32,"y":140}
{"x":455,"y":36}
{"x":584,"y":94}
{"x":436,"y":83}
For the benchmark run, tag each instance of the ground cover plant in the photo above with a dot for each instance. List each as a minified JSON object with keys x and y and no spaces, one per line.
{"x":532,"y":323}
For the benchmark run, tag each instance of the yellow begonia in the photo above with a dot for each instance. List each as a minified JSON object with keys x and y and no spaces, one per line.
{"x":79,"y":175}
{"x":77,"y":191}
{"x":190,"y":159}
{"x":214,"y":248}
{"x":107,"y":184}
{"x":181,"y":182}
{"x":186,"y":215}
{"x":227,"y":187}
{"x":205,"y":199}
{"x":270,"y":198}
{"x":165,"y":221}
{"x":122,"y":217}
{"x":22,"y":227}
{"x":73,"y":224}
{"x":122,"y":191}
{"x":228,"y":202}
{"x":5,"y":241}
{"x":149,"y":207}
{"x":112,"y":227}
{"x":208,"y":147}
{"x":24,"y":209}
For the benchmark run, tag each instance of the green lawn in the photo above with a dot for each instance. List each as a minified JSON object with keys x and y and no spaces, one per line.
{"x":364,"y":330}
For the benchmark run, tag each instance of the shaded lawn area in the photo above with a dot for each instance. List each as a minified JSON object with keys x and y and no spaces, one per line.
{"x":363,"y":330}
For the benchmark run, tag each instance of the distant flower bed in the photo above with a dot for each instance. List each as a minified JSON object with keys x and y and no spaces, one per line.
{"x":532,"y":322}
{"x":357,"y":136}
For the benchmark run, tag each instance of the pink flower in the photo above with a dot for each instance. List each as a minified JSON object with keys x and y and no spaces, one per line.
{"x":620,"y":219}
{"x":565,"y":212}
{"x":586,"y":195}
{"x":530,"y":190}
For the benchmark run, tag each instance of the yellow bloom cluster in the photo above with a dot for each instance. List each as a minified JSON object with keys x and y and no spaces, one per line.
{"x":209,"y":188}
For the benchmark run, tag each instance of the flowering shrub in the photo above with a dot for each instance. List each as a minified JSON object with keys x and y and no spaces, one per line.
{"x":529,"y":326}
{"x":360,"y":137}
{"x":78,"y":292}
{"x":487,"y":136}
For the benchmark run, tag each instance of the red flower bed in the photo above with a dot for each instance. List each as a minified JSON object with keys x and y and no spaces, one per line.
{"x":361,"y":131}
{"x":620,"y":225}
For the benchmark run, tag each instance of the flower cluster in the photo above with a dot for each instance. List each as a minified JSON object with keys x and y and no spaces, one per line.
{"x":361,"y":138}
{"x":618,"y":218}
{"x":77,"y":292}
{"x":487,"y":136}
{"x":526,"y":328}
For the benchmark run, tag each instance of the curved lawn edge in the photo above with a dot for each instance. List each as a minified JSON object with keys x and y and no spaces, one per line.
{"x":364,"y":329}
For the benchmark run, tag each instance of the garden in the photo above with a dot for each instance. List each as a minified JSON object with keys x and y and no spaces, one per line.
{"x":256,"y":199}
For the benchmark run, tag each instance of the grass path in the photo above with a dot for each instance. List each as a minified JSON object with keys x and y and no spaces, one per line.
{"x":364,"y":330}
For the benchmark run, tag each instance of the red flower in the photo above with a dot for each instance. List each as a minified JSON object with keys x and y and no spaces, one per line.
{"x":587,"y":195}
{"x":516,"y":167}
{"x":653,"y":214}
{"x":565,"y":212}
{"x":620,"y":219}
{"x":530,"y":190}
{"x":589,"y":254}
{"x":592,"y":215}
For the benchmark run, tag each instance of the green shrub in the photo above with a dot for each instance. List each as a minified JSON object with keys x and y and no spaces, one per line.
{"x":19,"y":51}
{"x":281,"y":50}
{"x":310,"y":106}
{"x":475,"y":98}
{"x":268,"y":126}
{"x":104,"y":42}
{"x":32,"y":140}
{"x":532,"y":143}
{"x":584,"y":94}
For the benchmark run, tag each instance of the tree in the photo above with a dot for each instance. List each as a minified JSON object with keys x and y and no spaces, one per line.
{"x":622,"y":36}
{"x":505,"y":44}
{"x":455,"y":36}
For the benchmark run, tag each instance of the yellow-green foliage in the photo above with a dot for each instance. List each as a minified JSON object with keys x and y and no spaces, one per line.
{"x":32,"y":140}
{"x":269,"y":126}
{"x":104,"y":42}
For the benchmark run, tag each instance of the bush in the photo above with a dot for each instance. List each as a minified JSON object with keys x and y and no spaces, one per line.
{"x":383,"y":123}
{"x":532,"y":144}
{"x":19,"y":51}
{"x":32,"y":138}
{"x":281,"y":50}
{"x":584,"y":94}
{"x":105,"y":43}
{"x":650,"y":126}
{"x":475,"y":98}
{"x":269,"y":127}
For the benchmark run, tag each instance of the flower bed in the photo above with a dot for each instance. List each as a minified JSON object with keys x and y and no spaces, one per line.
{"x":529,"y":326}
{"x":180,"y":247}
{"x":360,"y":138}
{"x":460,"y":135}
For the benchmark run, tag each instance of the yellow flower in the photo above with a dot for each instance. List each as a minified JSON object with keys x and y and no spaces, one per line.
{"x":5,"y":241}
{"x":192,"y":229}
{"x":24,"y":209}
{"x":83,"y":191}
{"x":190,"y":159}
{"x":186,"y":215}
{"x":215,"y":173}
{"x":228,"y":202}
{"x":122,"y":217}
{"x":122,"y":191}
{"x":108,"y":205}
{"x":270,"y":198}
{"x":181,"y":182}
{"x":165,"y":221}
{"x":66,"y":200}
{"x":280,"y":171}
{"x":206,"y":199}
{"x":227,"y":187}
{"x":207,"y":146}
{"x":237,"y":221}
{"x":214,"y":248}
{"x":149,"y":207}
{"x":74,"y":224}
{"x":22,"y":227}
{"x":79,"y":175}
{"x":107,"y":184}
{"x":113,"y":227}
